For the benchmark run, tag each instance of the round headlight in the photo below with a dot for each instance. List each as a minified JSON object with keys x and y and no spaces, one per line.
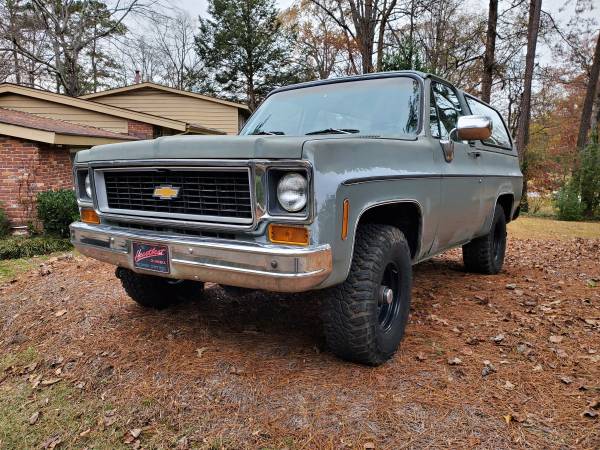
{"x":88,"y":186}
{"x":292,"y":192}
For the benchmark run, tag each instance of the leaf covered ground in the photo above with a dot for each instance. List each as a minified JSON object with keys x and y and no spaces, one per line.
{"x":488,"y":362}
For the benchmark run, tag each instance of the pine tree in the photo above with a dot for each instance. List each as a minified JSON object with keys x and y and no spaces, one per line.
{"x":245,"y":49}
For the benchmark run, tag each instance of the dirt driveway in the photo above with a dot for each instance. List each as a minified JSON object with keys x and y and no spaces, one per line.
{"x":489,"y":362}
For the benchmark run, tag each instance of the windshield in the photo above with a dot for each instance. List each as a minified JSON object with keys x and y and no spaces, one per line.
{"x":381,"y":107}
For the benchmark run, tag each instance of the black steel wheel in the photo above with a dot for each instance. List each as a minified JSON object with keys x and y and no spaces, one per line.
{"x":364,"y":318}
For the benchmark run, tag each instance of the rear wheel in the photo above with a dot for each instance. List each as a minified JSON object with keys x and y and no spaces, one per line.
{"x":365,"y":317}
{"x":486,"y":253}
{"x":157,"y":292}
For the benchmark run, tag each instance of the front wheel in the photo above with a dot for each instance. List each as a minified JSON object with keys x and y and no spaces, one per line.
{"x":365,"y":317}
{"x":486,"y":253}
{"x":157,"y":292}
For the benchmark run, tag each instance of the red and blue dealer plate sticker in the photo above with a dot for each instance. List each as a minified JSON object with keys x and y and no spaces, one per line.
{"x":151,"y":257}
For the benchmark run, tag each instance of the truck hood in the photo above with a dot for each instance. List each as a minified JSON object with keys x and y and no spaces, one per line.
{"x":199,"y":147}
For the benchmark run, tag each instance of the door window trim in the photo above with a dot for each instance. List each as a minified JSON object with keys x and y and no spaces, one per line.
{"x":461,"y":102}
{"x":510,"y":149}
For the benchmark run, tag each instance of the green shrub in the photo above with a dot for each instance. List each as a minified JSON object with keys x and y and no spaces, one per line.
{"x":22,"y":247}
{"x":568,"y":202}
{"x":4,"y":225}
{"x":57,"y":210}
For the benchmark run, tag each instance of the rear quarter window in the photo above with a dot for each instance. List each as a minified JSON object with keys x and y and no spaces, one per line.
{"x":500,"y":136}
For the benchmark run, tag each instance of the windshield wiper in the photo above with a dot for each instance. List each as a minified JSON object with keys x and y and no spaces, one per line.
{"x":335,"y":131}
{"x":269,"y":133}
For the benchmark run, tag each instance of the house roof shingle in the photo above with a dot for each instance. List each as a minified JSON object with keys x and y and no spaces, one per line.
{"x":22,"y":119}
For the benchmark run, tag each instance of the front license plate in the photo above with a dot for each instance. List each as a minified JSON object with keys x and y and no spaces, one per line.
{"x":151,"y":257}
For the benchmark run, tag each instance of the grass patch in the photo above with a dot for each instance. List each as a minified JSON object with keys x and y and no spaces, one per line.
{"x":20,"y":247}
{"x":64,"y":411}
{"x":538,"y":228}
{"x":11,"y":268}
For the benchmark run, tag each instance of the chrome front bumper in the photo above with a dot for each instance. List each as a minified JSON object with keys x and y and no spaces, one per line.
{"x":234,"y":263}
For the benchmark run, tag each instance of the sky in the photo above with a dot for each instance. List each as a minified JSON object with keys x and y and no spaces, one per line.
{"x":561,"y":10}
{"x":197,"y":7}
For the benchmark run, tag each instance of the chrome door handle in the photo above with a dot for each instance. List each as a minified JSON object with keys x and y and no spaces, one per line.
{"x":474,"y":153}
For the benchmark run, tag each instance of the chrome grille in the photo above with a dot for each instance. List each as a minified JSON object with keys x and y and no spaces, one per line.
{"x":203,"y":193}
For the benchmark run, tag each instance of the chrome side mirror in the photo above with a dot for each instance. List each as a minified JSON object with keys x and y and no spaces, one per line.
{"x":474,"y":128}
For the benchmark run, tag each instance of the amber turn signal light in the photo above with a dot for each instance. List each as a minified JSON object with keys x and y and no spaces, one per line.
{"x":345,"y":219}
{"x":89,"y":216}
{"x":284,"y":234}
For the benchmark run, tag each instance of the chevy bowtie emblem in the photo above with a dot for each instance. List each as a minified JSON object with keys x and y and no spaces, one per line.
{"x":166,"y":192}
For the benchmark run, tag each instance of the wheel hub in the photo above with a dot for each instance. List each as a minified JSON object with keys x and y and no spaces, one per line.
{"x":386,"y":295}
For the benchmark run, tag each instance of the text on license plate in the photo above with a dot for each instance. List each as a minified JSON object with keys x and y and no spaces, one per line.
{"x":151,"y":257}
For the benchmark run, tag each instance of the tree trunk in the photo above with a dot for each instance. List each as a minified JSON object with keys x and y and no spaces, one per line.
{"x":535,"y":7}
{"x":588,"y":103}
{"x":490,"y":50}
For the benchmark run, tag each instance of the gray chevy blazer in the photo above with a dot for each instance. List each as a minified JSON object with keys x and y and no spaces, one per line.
{"x":338,"y":185}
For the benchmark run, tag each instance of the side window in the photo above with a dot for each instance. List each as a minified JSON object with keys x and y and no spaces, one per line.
{"x":447,"y":107}
{"x":500,"y":136}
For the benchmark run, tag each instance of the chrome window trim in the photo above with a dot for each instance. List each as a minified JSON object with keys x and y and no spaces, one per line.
{"x":259,"y":195}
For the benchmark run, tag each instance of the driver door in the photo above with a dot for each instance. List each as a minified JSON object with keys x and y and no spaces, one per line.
{"x":462,"y":187}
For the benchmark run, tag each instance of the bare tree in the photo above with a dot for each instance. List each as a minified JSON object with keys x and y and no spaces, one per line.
{"x":18,"y":28}
{"x":535,"y":7}
{"x":362,"y":21}
{"x":490,"y":49}
{"x":320,"y":44}
{"x":452,"y":42}
{"x":590,"y":95}
{"x":175,"y":47}
{"x":71,"y":28}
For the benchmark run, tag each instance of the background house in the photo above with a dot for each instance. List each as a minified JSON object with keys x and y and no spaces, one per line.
{"x":40,"y":132}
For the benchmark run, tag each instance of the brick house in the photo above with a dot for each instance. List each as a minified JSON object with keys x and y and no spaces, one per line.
{"x":41,"y":131}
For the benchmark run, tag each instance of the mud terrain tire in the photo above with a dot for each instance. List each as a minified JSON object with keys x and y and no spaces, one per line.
{"x":157,"y":292}
{"x":486,"y":253}
{"x":361,"y":323}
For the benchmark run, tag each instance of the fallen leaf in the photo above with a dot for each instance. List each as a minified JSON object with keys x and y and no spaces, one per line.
{"x":590,"y":413}
{"x":200,"y":351}
{"x":555,"y":339}
{"x":108,"y":421}
{"x":30,"y":367}
{"x":566,"y":380}
{"x":420,"y":357}
{"x":50,"y":381}
{"x":85,"y":432}
{"x":60,"y":313}
{"x":35,"y":380}
{"x":561,"y":353}
{"x":34,"y":418}
{"x":136,"y":432}
{"x":454,"y":361}
{"x":369,"y":445}
{"x":52,"y":442}
{"x":437,"y":319}
{"x":183,"y":444}
{"x":508,"y":385}
{"x":499,"y":338}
